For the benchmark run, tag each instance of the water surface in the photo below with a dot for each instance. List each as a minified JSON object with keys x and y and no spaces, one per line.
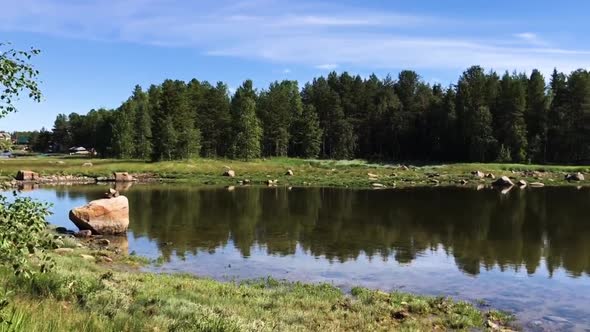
{"x":527,"y":251}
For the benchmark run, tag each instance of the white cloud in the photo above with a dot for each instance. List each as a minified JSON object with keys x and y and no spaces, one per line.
{"x":531,"y":38}
{"x":327,"y":66}
{"x":294,"y":33}
{"x":286,"y":71}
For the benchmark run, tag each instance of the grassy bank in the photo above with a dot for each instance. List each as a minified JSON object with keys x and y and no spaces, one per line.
{"x":82,"y":294}
{"x":352,"y":173}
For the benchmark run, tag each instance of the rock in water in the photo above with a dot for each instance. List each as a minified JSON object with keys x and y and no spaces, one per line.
{"x":123,"y":177}
{"x":103,"y":216}
{"x":503,"y":182}
{"x":27,"y":176}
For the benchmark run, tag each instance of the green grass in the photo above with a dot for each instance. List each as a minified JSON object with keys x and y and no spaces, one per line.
{"x":347,"y":173}
{"x":79,"y":295}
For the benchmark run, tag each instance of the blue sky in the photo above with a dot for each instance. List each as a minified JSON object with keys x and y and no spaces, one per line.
{"x":95,"y":51}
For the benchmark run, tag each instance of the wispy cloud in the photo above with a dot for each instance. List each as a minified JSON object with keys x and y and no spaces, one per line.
{"x":327,"y":66}
{"x":531,"y":38}
{"x":293,"y":33}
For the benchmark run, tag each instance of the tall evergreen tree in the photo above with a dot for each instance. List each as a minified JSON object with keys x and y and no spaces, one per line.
{"x":474,"y":117}
{"x":536,"y":117}
{"x":62,"y":135}
{"x":246,"y":128}
{"x":122,"y":138}
{"x":277,"y":108}
{"x":142,"y":124}
{"x":306,"y":134}
{"x":511,"y":108}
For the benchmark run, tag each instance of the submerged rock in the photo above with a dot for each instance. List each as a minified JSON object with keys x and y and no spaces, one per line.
{"x":103,"y":216}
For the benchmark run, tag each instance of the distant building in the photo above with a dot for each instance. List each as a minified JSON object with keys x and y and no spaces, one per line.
{"x":78,"y":151}
{"x":5,"y":136}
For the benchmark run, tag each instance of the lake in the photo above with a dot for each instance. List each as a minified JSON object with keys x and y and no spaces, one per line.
{"x":525,"y":251}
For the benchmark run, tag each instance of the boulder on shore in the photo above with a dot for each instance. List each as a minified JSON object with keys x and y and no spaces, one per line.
{"x":23,"y":175}
{"x":289,"y":172}
{"x":503,"y":182}
{"x":575,"y":177}
{"x":231,"y":173}
{"x":103,"y":216}
{"x":478,"y":174}
{"x":122,"y":177}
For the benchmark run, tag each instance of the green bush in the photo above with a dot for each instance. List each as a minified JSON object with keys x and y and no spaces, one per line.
{"x":23,"y":235}
{"x":23,"y":239}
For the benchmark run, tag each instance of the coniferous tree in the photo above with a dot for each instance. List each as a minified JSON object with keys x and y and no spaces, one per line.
{"x":475,"y":120}
{"x":277,"y":108}
{"x":536,"y":117}
{"x":62,"y":136}
{"x":481,"y":118}
{"x":246,"y":128}
{"x":306,"y":134}
{"x":142,"y":124}
{"x":122,"y":139}
{"x":162,"y":123}
{"x":511,"y":108}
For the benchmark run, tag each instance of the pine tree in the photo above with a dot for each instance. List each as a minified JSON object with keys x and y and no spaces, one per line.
{"x":62,"y":136}
{"x":511,"y":108}
{"x":163,"y":129}
{"x":306,"y":134}
{"x":142,"y":121}
{"x":559,"y":119}
{"x":474,"y":119}
{"x":536,"y":117}
{"x":247,"y":130}
{"x":122,"y":139}
{"x":277,"y":108}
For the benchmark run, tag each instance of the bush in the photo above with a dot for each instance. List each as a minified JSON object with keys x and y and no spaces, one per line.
{"x":22,"y":234}
{"x":23,"y":238}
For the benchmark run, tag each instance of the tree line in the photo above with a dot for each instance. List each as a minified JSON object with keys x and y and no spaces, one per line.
{"x":484,"y":117}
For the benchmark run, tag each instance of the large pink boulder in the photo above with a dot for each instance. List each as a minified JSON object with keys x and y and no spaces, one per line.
{"x":103,"y":216}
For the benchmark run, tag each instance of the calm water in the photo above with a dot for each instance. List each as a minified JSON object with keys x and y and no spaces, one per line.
{"x":527,"y":251}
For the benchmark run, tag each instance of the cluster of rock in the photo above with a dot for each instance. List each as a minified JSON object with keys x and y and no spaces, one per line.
{"x":228,"y":172}
{"x":30,"y":176}
{"x":506,"y":183}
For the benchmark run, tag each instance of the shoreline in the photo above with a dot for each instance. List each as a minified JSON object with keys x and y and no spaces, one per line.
{"x":285,"y":172}
{"x":257,"y":305}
